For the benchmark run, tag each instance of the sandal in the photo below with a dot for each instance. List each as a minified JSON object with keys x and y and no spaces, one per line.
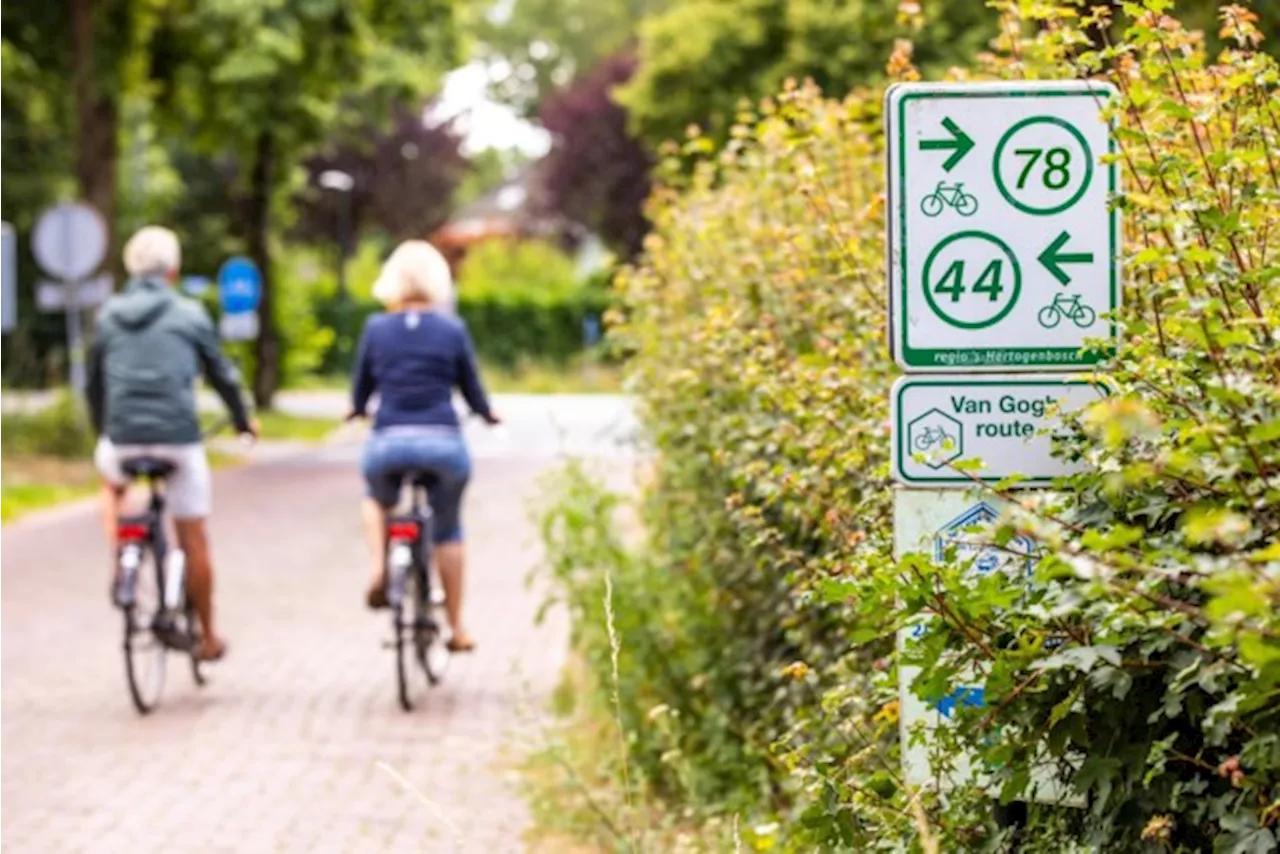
{"x":464,"y":645}
{"x":376,"y":597}
{"x":217,"y":653}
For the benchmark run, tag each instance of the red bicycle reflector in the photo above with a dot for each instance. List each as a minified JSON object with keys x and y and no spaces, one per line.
{"x":402,"y":530}
{"x":131,"y":533}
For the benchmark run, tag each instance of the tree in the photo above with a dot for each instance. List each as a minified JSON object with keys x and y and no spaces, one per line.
{"x":699,"y":59}
{"x":267,"y":82}
{"x":596,"y":173}
{"x":404,"y":180}
{"x":541,"y":45}
{"x":487,"y":169}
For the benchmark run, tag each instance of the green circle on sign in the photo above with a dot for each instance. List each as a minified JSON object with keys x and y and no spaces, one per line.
{"x":1057,"y":122}
{"x":972,"y":286}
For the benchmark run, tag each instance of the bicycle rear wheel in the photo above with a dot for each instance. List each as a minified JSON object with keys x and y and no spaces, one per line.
{"x":404,"y":658}
{"x":435,"y":658}
{"x":144,"y":652}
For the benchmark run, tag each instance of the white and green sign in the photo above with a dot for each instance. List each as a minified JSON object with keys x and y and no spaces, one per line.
{"x":955,"y":431}
{"x":1003,"y":248}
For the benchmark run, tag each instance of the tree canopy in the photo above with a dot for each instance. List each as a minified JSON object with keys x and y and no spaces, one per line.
{"x":534,"y":47}
{"x":699,"y":59}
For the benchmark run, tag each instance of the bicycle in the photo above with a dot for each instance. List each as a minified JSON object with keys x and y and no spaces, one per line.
{"x":415,"y":602}
{"x":159,"y":617}
{"x":931,"y":436}
{"x":952,"y":196}
{"x":1069,"y":307}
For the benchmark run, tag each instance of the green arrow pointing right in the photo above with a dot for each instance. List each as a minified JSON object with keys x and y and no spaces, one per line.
{"x":959,"y":145}
{"x":1053,"y":258}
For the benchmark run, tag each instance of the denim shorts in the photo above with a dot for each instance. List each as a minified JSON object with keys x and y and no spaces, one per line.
{"x":390,"y":453}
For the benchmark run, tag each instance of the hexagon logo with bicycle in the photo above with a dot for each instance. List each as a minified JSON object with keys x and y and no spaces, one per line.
{"x":937,"y":437}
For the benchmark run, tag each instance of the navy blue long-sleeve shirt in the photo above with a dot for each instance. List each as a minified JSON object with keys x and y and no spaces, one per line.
{"x":414,"y":360}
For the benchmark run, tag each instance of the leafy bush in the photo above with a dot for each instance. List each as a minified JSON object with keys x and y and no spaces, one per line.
{"x":58,"y":430}
{"x":1141,"y":668}
{"x":521,"y":302}
{"x":523,"y":299}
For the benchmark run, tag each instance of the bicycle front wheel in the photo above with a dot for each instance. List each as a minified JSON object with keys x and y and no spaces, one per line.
{"x":144,"y":651}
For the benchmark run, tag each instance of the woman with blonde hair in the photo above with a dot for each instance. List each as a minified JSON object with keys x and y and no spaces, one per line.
{"x":414,"y":356}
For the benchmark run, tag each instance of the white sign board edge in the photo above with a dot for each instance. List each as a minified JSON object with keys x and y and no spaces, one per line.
{"x":957,"y":361}
{"x":918,"y":518}
{"x":968,"y":402}
{"x":52,"y":296}
{"x":242,"y":326}
{"x":9,"y":270}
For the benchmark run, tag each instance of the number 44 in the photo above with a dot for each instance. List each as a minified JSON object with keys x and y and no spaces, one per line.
{"x":952,"y":281}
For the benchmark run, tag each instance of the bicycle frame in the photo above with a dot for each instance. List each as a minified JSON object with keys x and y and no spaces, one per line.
{"x":156,"y":537}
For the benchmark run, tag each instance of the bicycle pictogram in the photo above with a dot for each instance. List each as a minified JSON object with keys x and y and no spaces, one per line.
{"x":930,"y":437}
{"x":949,"y":196}
{"x":1069,"y":307}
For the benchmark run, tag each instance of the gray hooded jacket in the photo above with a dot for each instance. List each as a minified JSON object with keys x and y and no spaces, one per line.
{"x":150,"y":346}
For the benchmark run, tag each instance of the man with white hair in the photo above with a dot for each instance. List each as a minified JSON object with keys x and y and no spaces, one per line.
{"x":150,"y":346}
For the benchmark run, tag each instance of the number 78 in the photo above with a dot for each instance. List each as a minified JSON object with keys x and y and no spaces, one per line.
{"x":1057,"y":166}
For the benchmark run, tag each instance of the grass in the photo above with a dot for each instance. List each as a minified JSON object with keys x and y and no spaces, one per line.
{"x":33,"y":484}
{"x":581,"y":376}
{"x":279,"y":426}
{"x":46,"y":455}
{"x":576,"y":790}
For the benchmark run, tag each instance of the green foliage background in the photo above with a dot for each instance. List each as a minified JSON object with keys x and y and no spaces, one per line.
{"x":745,"y":652}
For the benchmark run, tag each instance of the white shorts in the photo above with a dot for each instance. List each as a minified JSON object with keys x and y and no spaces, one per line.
{"x":189,"y":491}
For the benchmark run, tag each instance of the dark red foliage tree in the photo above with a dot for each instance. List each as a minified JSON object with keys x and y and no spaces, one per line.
{"x":403,"y":182}
{"x":596,"y":174}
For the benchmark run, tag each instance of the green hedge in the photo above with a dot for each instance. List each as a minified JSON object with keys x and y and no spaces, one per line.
{"x":512,"y":312}
{"x":746,"y":650}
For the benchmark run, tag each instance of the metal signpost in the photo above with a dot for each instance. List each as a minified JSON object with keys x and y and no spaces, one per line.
{"x":1003,"y":250}
{"x":1003,"y":258}
{"x":69,"y":242}
{"x":9,"y":271}
{"x":239,"y":292}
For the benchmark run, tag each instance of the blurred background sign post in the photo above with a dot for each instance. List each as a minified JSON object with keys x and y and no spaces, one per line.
{"x":69,"y":243}
{"x":239,"y":293}
{"x":9,"y":271}
{"x":342,"y":184}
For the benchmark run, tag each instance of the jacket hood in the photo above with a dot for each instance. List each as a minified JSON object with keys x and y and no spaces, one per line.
{"x":143,"y":301}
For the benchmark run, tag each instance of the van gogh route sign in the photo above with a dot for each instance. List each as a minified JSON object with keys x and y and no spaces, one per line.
{"x":1002,"y":248}
{"x":951,"y":431}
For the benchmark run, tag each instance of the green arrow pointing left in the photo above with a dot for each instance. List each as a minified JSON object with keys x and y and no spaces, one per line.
{"x":959,"y":145}
{"x":1053,"y":258}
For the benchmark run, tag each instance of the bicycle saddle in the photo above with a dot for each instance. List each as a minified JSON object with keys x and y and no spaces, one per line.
{"x":421,"y":477}
{"x":147,"y":467}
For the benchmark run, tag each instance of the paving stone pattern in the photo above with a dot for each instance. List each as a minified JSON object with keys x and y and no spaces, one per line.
{"x":282,"y":750}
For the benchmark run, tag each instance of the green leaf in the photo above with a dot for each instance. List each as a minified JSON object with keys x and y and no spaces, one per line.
{"x":1081,"y":658}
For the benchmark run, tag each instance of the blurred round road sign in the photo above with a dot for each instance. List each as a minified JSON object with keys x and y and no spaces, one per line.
{"x":70,"y":240}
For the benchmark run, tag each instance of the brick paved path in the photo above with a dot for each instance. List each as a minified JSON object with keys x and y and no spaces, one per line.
{"x":280,"y":751}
